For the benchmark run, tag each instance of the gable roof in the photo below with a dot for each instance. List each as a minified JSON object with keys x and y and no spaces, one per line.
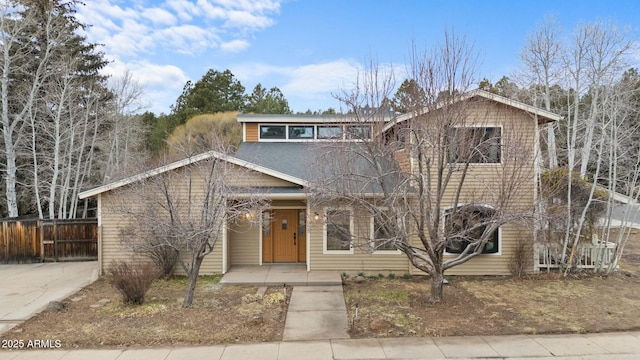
{"x":191,"y":160}
{"x":543,"y":115}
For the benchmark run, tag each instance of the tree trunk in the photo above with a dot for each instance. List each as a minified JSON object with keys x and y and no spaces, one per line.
{"x":192,"y":278}
{"x":437,"y":293}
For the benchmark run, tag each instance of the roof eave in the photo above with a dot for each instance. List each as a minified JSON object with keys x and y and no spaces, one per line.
{"x":544,"y":116}
{"x":210,"y":154}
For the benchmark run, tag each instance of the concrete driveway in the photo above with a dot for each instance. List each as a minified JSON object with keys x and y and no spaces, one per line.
{"x":26,"y":289}
{"x":632,"y":216}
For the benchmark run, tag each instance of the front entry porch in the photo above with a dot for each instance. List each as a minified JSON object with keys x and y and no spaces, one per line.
{"x":279,"y":274}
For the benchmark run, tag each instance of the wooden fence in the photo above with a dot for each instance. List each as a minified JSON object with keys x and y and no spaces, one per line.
{"x":23,"y":241}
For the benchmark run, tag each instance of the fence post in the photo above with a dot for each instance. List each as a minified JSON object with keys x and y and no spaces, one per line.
{"x":5,"y":242}
{"x":40,"y":228}
{"x":55,"y":240}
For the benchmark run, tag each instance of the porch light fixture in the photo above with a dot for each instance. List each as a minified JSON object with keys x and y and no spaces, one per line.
{"x":249,"y":215}
{"x":316,"y":216}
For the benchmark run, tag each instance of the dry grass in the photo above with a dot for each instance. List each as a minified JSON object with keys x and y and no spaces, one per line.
{"x":228,"y":314}
{"x":546,"y":303}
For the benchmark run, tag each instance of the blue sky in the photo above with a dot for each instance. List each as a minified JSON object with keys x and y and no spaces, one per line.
{"x":312,"y":49}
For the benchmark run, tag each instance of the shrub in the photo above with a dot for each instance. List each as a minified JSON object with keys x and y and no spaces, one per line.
{"x":391,"y":276}
{"x":521,"y":259}
{"x":132,"y":280}
{"x":144,"y":240}
{"x":406,"y":276}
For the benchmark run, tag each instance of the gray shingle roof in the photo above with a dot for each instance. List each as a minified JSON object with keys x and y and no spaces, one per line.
{"x":288,"y":158}
{"x":327,"y":164}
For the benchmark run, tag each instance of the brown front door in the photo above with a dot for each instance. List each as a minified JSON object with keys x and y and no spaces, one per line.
{"x":285,"y":236}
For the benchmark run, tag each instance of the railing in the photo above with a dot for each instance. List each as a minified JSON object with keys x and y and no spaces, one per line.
{"x":586,"y":256}
{"x":23,"y":241}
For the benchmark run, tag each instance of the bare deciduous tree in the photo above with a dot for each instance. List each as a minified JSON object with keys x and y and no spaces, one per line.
{"x":542,"y":60}
{"x":126,"y":131}
{"x":184,"y":210}
{"x":597,"y":107}
{"x":435,"y":200}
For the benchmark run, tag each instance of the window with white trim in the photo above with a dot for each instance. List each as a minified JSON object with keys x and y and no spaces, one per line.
{"x":475,"y":145}
{"x":465,"y":226}
{"x":382,"y":231}
{"x":338,"y":230}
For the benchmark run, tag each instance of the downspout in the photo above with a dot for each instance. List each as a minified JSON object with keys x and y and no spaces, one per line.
{"x":536,"y":182}
{"x":308,"y":249}
{"x":99,"y":214}
{"x":260,"y":237}
{"x":224,"y":246}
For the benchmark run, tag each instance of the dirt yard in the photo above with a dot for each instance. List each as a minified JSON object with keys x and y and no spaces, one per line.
{"x":96,"y":317}
{"x":546,"y":303}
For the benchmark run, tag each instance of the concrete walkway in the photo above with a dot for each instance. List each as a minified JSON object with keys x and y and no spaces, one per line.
{"x":316,"y":308}
{"x":26,"y":289}
{"x":316,"y":313}
{"x":278,"y":274}
{"x":612,"y":346}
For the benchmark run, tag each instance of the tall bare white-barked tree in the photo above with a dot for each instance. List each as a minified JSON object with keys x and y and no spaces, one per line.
{"x":600,"y":118}
{"x":51,"y":95}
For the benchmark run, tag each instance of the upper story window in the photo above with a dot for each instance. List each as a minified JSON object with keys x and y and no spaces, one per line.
{"x":307,"y":132}
{"x":273,"y":132}
{"x":359,"y":132}
{"x":329,"y":132}
{"x":301,"y":132}
{"x":475,"y":145}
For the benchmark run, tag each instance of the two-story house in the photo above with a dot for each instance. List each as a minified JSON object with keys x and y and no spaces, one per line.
{"x":285,"y":156}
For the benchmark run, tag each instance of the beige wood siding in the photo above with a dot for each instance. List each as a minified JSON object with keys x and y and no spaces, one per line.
{"x":362,"y":259}
{"x":244,"y":244}
{"x":251,"y":132}
{"x":112,"y":223}
{"x":482,"y":183}
{"x":493,"y":264}
{"x":114,"y":249}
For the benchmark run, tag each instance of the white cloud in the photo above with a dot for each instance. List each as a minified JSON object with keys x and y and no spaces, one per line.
{"x":329,"y":77}
{"x":246,"y":5}
{"x":162,"y":83}
{"x":311,"y":86}
{"x":234,"y":46}
{"x":178,"y":26}
{"x":184,"y":8}
{"x":159,"y":16}
{"x":185,"y":39}
{"x":245,"y":19}
{"x":306,"y":80}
